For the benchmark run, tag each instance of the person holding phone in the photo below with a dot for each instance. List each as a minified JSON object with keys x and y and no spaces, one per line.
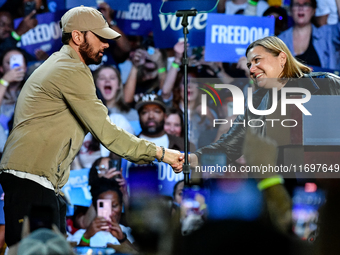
{"x":13,"y":71}
{"x":9,"y":37}
{"x":108,"y":168}
{"x":103,"y":231}
{"x":56,"y":108}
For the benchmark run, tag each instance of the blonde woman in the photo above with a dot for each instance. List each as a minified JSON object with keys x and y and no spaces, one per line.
{"x":271,"y":64}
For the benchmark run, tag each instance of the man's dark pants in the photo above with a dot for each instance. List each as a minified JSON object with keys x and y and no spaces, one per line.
{"x":20,"y":195}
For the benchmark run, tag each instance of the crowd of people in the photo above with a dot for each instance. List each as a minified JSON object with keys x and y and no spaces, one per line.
{"x":143,"y":90}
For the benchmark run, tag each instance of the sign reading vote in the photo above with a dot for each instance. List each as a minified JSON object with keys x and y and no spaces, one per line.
{"x":45,"y":36}
{"x":168,"y":30}
{"x":228,"y":36}
{"x":137,"y":20}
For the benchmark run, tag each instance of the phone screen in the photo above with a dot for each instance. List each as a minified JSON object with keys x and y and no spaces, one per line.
{"x":305,"y":212}
{"x":16,"y":60}
{"x":104,"y":207}
{"x":29,"y":7}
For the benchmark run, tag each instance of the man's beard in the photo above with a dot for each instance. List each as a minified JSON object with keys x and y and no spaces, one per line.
{"x":152,"y":130}
{"x":88,"y":54}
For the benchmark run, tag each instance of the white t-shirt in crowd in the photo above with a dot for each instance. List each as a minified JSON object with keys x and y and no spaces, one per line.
{"x":329,"y":7}
{"x":101,"y":238}
{"x":159,"y":141}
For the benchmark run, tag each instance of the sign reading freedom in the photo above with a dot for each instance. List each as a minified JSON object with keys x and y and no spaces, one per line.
{"x":45,"y":36}
{"x":228,"y":36}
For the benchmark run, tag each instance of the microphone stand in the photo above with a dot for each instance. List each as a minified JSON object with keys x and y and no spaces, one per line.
{"x":185,"y":14}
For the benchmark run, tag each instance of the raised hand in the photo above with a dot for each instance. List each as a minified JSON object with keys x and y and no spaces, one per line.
{"x":15,"y":75}
{"x":138,"y":57}
{"x":27,"y":23}
{"x":106,"y":10}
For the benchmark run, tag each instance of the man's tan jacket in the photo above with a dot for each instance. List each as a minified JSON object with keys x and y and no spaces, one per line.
{"x":56,"y":108}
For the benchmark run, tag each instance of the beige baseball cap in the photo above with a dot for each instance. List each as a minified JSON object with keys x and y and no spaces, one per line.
{"x":84,"y":18}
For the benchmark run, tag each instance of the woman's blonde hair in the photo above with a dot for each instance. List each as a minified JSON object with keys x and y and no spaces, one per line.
{"x":274,"y":45}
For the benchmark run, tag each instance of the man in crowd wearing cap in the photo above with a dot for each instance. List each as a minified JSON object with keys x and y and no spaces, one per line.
{"x":56,"y":108}
{"x":151,"y":111}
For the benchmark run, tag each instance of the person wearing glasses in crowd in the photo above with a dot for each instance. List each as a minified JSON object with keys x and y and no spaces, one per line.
{"x":314,"y":46}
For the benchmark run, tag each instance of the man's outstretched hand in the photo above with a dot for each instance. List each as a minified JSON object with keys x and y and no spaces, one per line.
{"x":172,"y":157}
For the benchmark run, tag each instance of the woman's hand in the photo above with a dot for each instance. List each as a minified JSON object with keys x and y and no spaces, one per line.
{"x":98,"y":224}
{"x":121,"y":181}
{"x":138,"y":57}
{"x":114,"y":228}
{"x":15,"y":75}
{"x":179,"y":50}
{"x":109,"y":173}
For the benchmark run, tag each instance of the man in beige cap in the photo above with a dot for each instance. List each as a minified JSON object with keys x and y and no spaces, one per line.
{"x":56,"y":108}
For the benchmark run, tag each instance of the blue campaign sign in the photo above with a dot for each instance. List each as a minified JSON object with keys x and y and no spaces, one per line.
{"x":77,"y":189}
{"x":137,"y":20}
{"x":228,"y":36}
{"x":74,"y":3}
{"x":118,"y":5}
{"x":167,"y":29}
{"x":46,"y":35}
{"x":167,"y":178}
{"x":56,"y":5}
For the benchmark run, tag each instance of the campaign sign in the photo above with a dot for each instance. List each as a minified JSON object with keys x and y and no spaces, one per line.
{"x":167,"y":178}
{"x":168,"y":30}
{"x":75,"y":3}
{"x":137,"y":20}
{"x":228,"y":36}
{"x":76,"y":189}
{"x":118,"y":5}
{"x":56,"y":5}
{"x":46,"y":35}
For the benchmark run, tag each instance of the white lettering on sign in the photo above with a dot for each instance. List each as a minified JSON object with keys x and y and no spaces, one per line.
{"x":41,"y":33}
{"x":137,"y":11}
{"x":237,"y":34}
{"x":198,"y":22}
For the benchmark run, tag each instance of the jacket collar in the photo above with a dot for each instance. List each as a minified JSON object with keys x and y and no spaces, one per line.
{"x":315,"y":33}
{"x":67,"y":49}
{"x":306,"y":82}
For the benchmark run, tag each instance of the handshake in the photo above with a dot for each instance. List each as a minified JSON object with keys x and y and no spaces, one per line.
{"x":174,"y":158}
